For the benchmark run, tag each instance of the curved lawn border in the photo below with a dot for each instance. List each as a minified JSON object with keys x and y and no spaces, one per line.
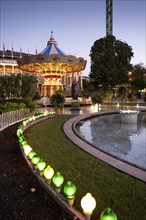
{"x":70,"y":130}
{"x":59,"y":199}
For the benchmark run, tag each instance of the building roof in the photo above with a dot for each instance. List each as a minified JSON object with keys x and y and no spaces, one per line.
{"x":52,"y":48}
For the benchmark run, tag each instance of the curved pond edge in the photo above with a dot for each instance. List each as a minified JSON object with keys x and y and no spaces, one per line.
{"x":70,"y":130}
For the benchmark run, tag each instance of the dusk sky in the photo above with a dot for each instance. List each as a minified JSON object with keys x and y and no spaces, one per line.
{"x":76,"y":25}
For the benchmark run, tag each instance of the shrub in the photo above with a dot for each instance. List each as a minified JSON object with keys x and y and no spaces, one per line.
{"x":58,"y":99}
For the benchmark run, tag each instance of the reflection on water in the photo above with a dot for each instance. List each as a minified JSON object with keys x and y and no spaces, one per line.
{"x":127,"y":141}
{"x":93,"y":109}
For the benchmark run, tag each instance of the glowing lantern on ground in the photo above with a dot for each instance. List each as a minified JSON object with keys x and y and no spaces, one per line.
{"x":48,"y":173}
{"x":23,"y":143}
{"x":35,"y":159}
{"x":70,"y":190}
{"x":31,"y":154}
{"x":108,"y":214}
{"x":24,"y":123}
{"x":27,"y":149}
{"x":88,"y":204}
{"x":57,"y":181}
{"x":41,"y":165}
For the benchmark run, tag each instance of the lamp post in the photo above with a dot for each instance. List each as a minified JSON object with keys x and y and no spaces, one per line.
{"x":88,"y":204}
{"x":57,"y":181}
{"x":108,"y":214}
{"x":48,"y":173}
{"x":70,"y":190}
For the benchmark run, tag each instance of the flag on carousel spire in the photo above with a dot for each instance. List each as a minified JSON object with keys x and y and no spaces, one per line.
{"x":20,"y":52}
{"x":3,"y":50}
{"x":12,"y":51}
{"x":36,"y":51}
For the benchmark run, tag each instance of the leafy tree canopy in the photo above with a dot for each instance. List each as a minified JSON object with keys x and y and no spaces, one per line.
{"x":17,"y":86}
{"x":110,"y":62}
{"x":138,"y":71}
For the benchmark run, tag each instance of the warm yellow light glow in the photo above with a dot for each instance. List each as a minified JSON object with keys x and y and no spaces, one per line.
{"x":27,"y":149}
{"x":33,"y":117}
{"x":48,"y":172}
{"x":118,"y":105}
{"x":88,"y":204}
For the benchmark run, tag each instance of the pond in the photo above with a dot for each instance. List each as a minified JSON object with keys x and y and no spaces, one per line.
{"x":125,"y":141}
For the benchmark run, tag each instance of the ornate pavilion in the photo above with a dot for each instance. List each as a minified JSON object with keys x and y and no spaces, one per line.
{"x":54,"y":68}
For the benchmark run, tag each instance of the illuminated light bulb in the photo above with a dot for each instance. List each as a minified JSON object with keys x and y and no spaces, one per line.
{"x":108,"y":214}
{"x":24,"y":123}
{"x":35,"y":159}
{"x":19,"y":131}
{"x":41,"y":165}
{"x":51,"y":113}
{"x":45,"y":113}
{"x":33,"y":117}
{"x":27,"y":149}
{"x":70,"y":190}
{"x":31,"y":154}
{"x":23,"y":143}
{"x":57,"y":181}
{"x":48,"y":173}
{"x":88,"y":204}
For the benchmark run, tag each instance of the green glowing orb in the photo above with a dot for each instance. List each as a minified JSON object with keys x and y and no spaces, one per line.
{"x":70,"y":190}
{"x":35,"y":159}
{"x":31,"y":154}
{"x":41,"y":165}
{"x":58,"y":180}
{"x":108,"y":214}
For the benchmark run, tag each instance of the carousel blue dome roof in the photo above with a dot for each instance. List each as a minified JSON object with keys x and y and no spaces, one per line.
{"x":52,"y":48}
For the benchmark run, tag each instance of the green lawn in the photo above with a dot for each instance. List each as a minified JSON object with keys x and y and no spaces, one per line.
{"x":110,"y":187}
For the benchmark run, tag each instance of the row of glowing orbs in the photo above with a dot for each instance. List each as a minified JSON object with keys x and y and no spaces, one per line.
{"x":48,"y":172}
{"x":88,"y":203}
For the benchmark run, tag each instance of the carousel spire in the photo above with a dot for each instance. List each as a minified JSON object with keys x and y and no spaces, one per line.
{"x":52,"y":40}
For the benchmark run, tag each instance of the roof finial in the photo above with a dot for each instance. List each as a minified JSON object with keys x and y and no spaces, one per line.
{"x":52,"y":40}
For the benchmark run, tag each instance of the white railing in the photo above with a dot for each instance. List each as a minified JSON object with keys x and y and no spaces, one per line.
{"x":10,"y":118}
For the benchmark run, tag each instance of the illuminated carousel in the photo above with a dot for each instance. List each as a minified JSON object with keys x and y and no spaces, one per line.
{"x":54,"y":68}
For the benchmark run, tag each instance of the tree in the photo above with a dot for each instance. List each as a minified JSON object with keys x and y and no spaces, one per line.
{"x":20,"y":87}
{"x":138,"y":71}
{"x":110,"y":63}
{"x":138,"y":82}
